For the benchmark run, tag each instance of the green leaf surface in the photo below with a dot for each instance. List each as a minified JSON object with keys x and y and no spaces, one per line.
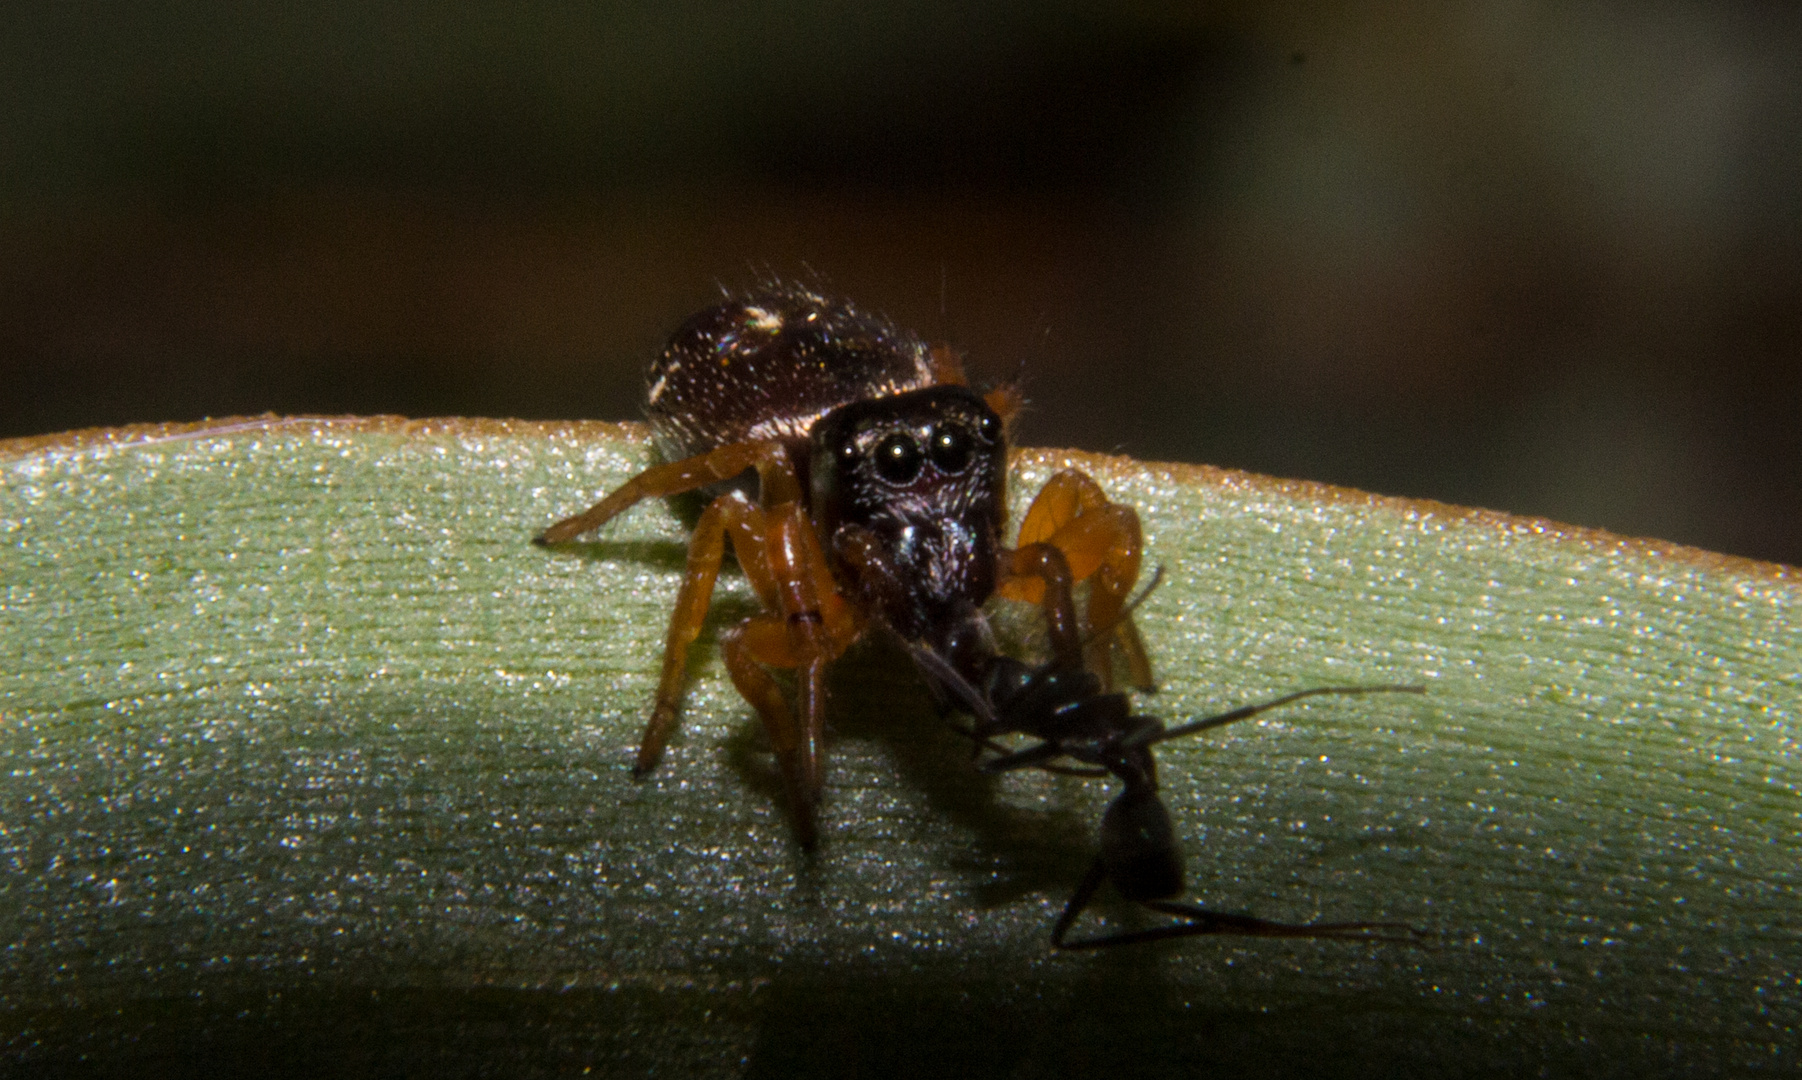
{"x":314,"y":765}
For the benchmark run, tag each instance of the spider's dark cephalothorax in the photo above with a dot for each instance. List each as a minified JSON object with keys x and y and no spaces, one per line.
{"x":880,"y":497}
{"x":919,"y":478}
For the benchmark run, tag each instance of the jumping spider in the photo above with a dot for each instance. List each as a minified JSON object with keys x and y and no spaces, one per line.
{"x":880,"y":495}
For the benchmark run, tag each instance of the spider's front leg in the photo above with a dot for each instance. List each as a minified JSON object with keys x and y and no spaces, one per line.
{"x":1099,"y":541}
{"x":808,"y":625}
{"x":731,"y":513}
{"x":811,"y":625}
{"x":775,"y":476}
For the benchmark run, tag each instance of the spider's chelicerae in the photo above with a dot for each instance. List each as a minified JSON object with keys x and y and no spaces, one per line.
{"x":880,"y":497}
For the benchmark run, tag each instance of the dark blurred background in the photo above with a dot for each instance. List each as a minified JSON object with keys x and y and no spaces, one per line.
{"x":1542,"y":257}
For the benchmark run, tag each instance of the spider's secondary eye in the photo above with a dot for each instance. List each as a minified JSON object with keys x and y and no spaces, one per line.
{"x":950,"y":449}
{"x":991,"y":428}
{"x":898,"y":459}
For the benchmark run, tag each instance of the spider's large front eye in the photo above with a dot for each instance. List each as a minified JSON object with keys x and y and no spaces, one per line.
{"x":898,"y":459}
{"x":949,"y":447}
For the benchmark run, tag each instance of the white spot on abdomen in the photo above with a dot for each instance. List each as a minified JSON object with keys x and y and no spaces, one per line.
{"x":764,"y":319}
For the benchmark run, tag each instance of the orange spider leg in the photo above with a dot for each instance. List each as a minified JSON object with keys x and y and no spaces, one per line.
{"x":1007,"y":403}
{"x":1045,"y":569}
{"x":775,"y":475}
{"x":781,"y":556}
{"x":1104,"y":545}
{"x":1066,"y":495}
{"x":947,"y":365}
{"x":1099,"y":539}
{"x":734,"y":515}
{"x":821,"y":624}
{"x":814,"y":625}
{"x":747,"y":647}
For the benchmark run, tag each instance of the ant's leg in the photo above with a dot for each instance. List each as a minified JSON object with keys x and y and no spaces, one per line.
{"x":1150,"y":734}
{"x":1079,"y":900}
{"x":1203,"y":923}
{"x":1008,"y":761}
{"x":1139,"y":855}
{"x":1212,"y":922}
{"x":1101,"y":540}
{"x":1039,"y":574}
{"x":731,"y":514}
{"x":768,"y":457}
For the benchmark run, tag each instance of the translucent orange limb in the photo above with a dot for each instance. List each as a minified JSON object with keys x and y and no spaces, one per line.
{"x":1101,"y":540}
{"x":1109,"y":540}
{"x":730,"y":515}
{"x":760,"y":640}
{"x":806,"y":593}
{"x":947,"y":365}
{"x":774,"y":472}
{"x":820,"y":626}
{"x":797,"y":735}
{"x":1064,"y":496}
{"x":1007,"y":403}
{"x":1045,"y":566}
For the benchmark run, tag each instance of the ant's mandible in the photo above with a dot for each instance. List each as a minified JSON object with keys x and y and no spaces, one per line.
{"x":880,"y":495}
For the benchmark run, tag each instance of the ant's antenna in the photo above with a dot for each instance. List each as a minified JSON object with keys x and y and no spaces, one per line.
{"x":1096,"y":633}
{"x":952,"y":680}
{"x":1247,"y":711}
{"x":1157,"y":578}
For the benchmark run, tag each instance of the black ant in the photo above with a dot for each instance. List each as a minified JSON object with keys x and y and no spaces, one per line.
{"x":880,"y":497}
{"x":1074,"y":718}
